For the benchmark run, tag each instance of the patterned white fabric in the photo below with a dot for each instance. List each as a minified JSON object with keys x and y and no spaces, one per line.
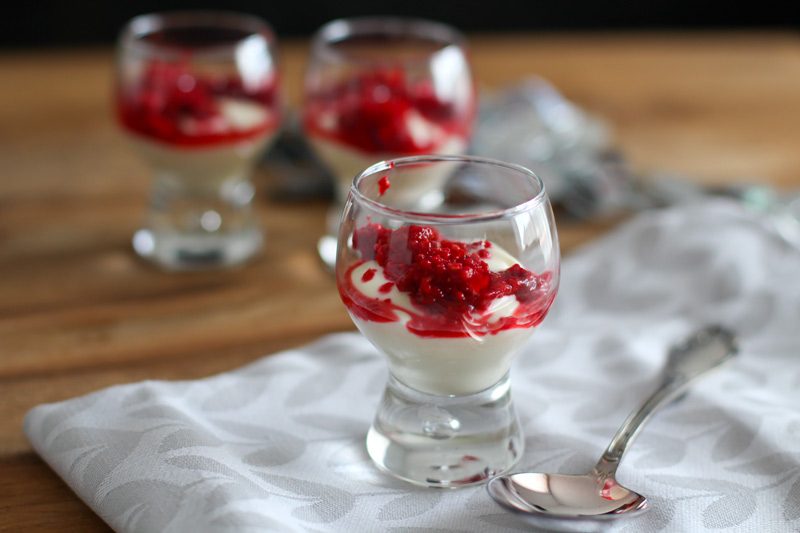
{"x":279,"y":445}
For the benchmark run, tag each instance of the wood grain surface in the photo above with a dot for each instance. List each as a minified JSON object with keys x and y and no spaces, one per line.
{"x":79,"y":312}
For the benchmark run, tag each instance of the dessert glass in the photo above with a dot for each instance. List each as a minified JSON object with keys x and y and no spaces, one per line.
{"x":383,"y":87}
{"x":448,"y":294}
{"x":197,"y":95}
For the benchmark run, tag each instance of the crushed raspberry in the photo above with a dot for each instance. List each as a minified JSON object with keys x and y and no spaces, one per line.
{"x":383,"y":185}
{"x":169,"y":96}
{"x":450,"y":277}
{"x":375,"y":111}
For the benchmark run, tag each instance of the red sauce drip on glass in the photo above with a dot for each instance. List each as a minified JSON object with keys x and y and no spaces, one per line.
{"x":171,"y":104}
{"x":386,"y":287}
{"x":372,"y":111}
{"x":448,"y":282}
{"x":383,"y":185}
{"x":368,"y":275}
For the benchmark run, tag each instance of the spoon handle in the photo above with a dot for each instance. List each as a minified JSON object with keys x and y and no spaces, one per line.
{"x":701,"y":352}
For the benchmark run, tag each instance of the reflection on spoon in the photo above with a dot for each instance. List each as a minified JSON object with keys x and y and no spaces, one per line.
{"x":581,"y":502}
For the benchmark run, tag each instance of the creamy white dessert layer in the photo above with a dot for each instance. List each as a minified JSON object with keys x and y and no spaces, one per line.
{"x":210,"y":164}
{"x":203,"y":164}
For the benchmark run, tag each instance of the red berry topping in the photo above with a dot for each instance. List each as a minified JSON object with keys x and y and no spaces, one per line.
{"x":448,"y":282}
{"x":376,"y":111}
{"x":173,"y":104}
{"x":451,"y":277}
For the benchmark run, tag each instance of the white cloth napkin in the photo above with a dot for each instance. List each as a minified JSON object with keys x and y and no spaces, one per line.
{"x":279,"y":445}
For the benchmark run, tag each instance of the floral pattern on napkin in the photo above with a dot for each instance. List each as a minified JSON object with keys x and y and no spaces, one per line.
{"x":279,"y":445}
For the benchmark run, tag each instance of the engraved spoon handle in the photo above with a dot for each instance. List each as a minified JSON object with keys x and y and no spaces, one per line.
{"x":702,"y":351}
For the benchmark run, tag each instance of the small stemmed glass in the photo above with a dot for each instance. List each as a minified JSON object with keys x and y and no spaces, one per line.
{"x":197,"y":95}
{"x":449,"y":294}
{"x":383,"y":87}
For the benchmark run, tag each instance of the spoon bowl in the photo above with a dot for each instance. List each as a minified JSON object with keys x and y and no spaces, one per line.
{"x":567,"y":494}
{"x":584,"y":502}
{"x":576,"y":502}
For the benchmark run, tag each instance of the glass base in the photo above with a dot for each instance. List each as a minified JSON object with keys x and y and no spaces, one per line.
{"x":445,"y":441}
{"x":178,"y":251}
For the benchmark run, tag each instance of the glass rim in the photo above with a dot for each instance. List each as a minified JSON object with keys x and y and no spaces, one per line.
{"x":443,"y":218}
{"x":341,"y":29}
{"x":130,"y":37}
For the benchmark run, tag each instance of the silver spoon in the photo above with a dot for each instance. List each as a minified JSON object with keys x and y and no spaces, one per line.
{"x":579,"y":502}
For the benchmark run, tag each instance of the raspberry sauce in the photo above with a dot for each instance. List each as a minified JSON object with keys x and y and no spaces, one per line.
{"x":172,"y":104}
{"x":448,"y":282}
{"x":383,"y":112}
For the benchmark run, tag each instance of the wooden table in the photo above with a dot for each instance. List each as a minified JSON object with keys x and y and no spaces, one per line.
{"x":78,"y":311}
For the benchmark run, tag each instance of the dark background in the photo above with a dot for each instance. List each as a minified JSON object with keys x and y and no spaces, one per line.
{"x":66,"y":23}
